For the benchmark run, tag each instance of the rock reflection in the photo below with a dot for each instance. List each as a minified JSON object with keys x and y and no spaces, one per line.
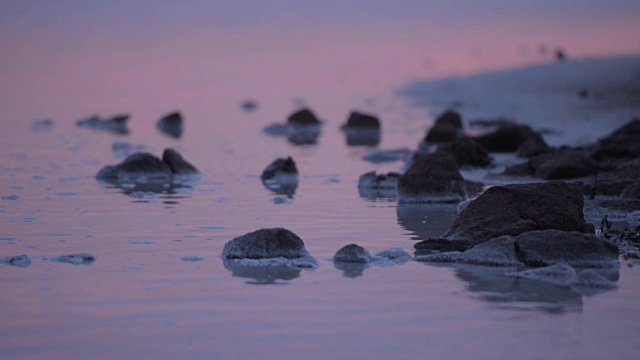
{"x":362,"y":137}
{"x":286,"y":188}
{"x":375,"y":194}
{"x":351,"y":270}
{"x":261,"y":274}
{"x":295,"y":134}
{"x":426,"y":221}
{"x":147,"y":192}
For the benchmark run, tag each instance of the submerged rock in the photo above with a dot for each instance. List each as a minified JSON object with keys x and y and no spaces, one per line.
{"x":116,"y":124}
{"x":362,"y":130}
{"x":171,"y":124}
{"x":144,"y":167}
{"x":500,"y":251}
{"x":42,"y":125}
{"x":17,"y":260}
{"x":517,"y":208}
{"x":266,"y":244}
{"x":446,"y":128}
{"x":558,"y":274}
{"x":303,"y":117}
{"x":249,"y":105}
{"x":382,"y":181}
{"x":75,"y":259}
{"x":352,"y":253}
{"x":281,"y":176}
{"x":431,"y":179}
{"x":359,"y":120}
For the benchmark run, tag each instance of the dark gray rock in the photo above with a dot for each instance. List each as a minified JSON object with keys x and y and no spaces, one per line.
{"x":280,"y":166}
{"x":381,"y":181}
{"x":171,"y":124}
{"x":548,"y":247}
{"x":533,"y":146}
{"x":249,"y":105}
{"x":432,"y":178}
{"x":500,"y":251}
{"x":507,"y":138}
{"x":145,"y":167}
{"x":352,"y":253}
{"x":17,"y":260}
{"x":562,"y":164}
{"x":303,"y":117}
{"x":266,"y":244}
{"x":517,"y":208}
{"x":178,"y":165}
{"x":446,"y":128}
{"x":75,"y":259}
{"x":359,"y":120}
{"x":467,"y":151}
{"x":631,"y":192}
{"x":116,"y":124}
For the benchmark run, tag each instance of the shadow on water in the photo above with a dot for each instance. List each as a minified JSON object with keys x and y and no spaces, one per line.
{"x":261,"y":274}
{"x":151,"y":191}
{"x":426,"y":221}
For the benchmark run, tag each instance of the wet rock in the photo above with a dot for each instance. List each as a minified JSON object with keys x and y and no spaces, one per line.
{"x":359,"y":120}
{"x":171,"y":124}
{"x":631,"y":192}
{"x":467,"y":151}
{"x":549,"y":247}
{"x":144,"y":167}
{"x":562,"y":164}
{"x":437,"y":245}
{"x":507,"y":138}
{"x":382,"y":181}
{"x":281,"y":176}
{"x":75,"y":259}
{"x":352,"y":253}
{"x":533,"y":146}
{"x":362,"y":136}
{"x":303,"y":117}
{"x":266,"y":244}
{"x":116,"y":124}
{"x":626,"y":136}
{"x":431,"y":179}
{"x":249,"y":105}
{"x":558,"y":274}
{"x":178,"y":165}
{"x":280,"y":166}
{"x":446,"y":128}
{"x":444,"y":257}
{"x":517,"y":208}
{"x":591,"y":279}
{"x":500,"y":251}
{"x":18,"y":260}
{"x":627,"y":241}
{"x":490,"y":123}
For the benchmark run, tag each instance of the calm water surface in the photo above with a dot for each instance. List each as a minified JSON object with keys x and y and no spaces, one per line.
{"x":158,"y":287}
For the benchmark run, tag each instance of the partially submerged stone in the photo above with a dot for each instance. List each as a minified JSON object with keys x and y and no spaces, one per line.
{"x":432,"y":178}
{"x":557,"y":274}
{"x":144,"y":167}
{"x":266,"y":244}
{"x":467,"y":151}
{"x":371,"y":180}
{"x":517,"y":208}
{"x":171,"y":124}
{"x":446,"y":128}
{"x":499,"y":251}
{"x":75,"y":259}
{"x":631,"y":192}
{"x":116,"y":124}
{"x":17,"y":260}
{"x":362,"y":121}
{"x":562,"y":164}
{"x":303,"y":117}
{"x":352,"y":253}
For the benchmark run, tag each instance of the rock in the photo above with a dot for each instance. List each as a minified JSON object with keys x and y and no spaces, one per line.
{"x":560,"y":56}
{"x":382,"y":181}
{"x":627,"y":241}
{"x":266,"y":244}
{"x":562,"y":164}
{"x":557,"y":274}
{"x":625,"y":136}
{"x":352,"y":253}
{"x":18,"y":260}
{"x":75,"y":259}
{"x":444,"y":257}
{"x":490,"y":123}
{"x":437,"y":245}
{"x":633,"y":219}
{"x":303,"y":117}
{"x":364,"y":136}
{"x":116,"y":124}
{"x":361,"y":121}
{"x":500,"y":251}
{"x":144,"y":167}
{"x":280,"y":166}
{"x":446,"y":128}
{"x":631,"y":192}
{"x":171,"y":124}
{"x":281,"y":176}
{"x":507,"y":138}
{"x":591,"y":279}
{"x":517,"y":208}
{"x":533,"y":146}
{"x":549,"y":247}
{"x":467,"y":151}
{"x":433,"y":178}
{"x":178,"y":165}
{"x":249,"y":105}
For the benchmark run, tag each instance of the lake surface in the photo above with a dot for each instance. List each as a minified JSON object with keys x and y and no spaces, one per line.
{"x":158,"y":287}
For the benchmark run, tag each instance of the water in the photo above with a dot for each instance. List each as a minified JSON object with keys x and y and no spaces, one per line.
{"x":158,"y":288}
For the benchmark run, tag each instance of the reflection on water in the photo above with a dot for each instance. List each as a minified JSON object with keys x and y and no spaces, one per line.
{"x":426,"y":221}
{"x":362,"y":137}
{"x":351,"y":270}
{"x":379,"y":193}
{"x":296,"y":135}
{"x":261,"y":274}
{"x":146,"y":192}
